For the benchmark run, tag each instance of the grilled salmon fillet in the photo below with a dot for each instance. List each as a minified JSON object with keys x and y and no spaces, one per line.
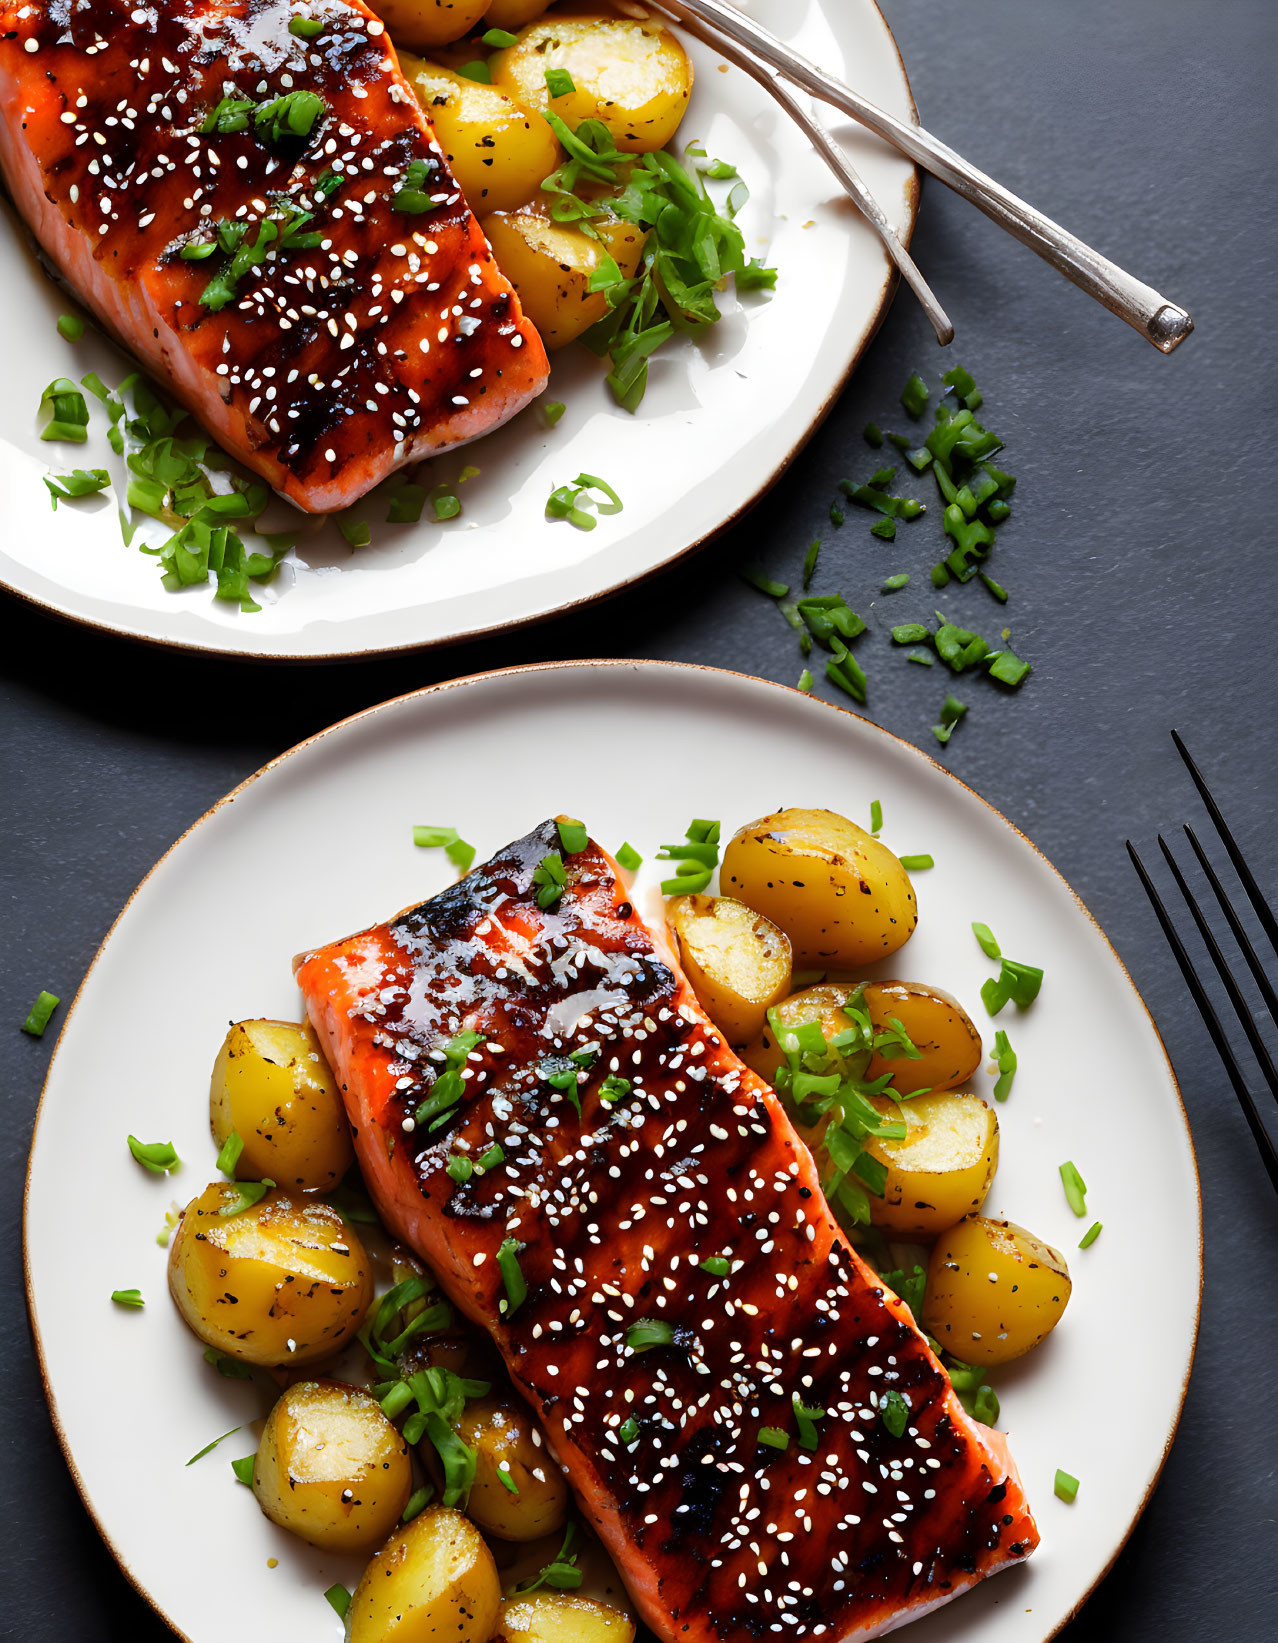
{"x":266,"y":221}
{"x":664,"y":1387}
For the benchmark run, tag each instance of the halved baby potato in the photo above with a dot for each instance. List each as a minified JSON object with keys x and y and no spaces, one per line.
{"x":433,"y":1581}
{"x":737,"y":961}
{"x":331,"y":1468}
{"x":422,"y":23}
{"x":561,"y":1617}
{"x":512,"y":14}
{"x":284,"y":1281}
{"x":840,"y":895}
{"x":822,"y":1003}
{"x":633,"y":76}
{"x":272,"y":1085}
{"x":507,"y":1443}
{"x":498,"y":152}
{"x":550,"y":265}
{"x":937,"y":1025}
{"x":994,"y":1290}
{"x":941,"y":1170}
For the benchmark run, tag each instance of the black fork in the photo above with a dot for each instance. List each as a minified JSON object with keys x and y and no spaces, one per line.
{"x":1268,"y":923}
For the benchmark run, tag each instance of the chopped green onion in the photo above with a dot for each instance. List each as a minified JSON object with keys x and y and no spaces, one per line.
{"x":39,"y":1014}
{"x":628,"y":1431}
{"x":758,"y":578}
{"x":512,"y":1277}
{"x":550,"y":879}
{"x":406,"y":505}
{"x":985,"y":1405}
{"x":1075,"y":1188}
{"x":993,"y":995}
{"x":836,"y":514}
{"x":1008,"y":668}
{"x":69,"y":412}
{"x":551,"y":413}
{"x":459,"y":1168}
{"x":649,"y":1332}
{"x":916,"y":864}
{"x":999,"y":592}
{"x":810,"y":561}
{"x":356,"y":532}
{"x":1021,"y":982}
{"x":876,"y":816}
{"x":157,"y":1156}
{"x":613,"y":1088}
{"x":806,"y":1420}
{"x":844,"y":670}
{"x":559,"y":83}
{"x":449,"y":841}
{"x":1065,"y":1487}
{"x":247,"y":1194}
{"x":985,"y":936}
{"x":338,"y":1596}
{"x":910,"y":633}
{"x":629,"y":858}
{"x":774,"y":1437}
{"x":292,"y":115}
{"x":490,"y":1159}
{"x":719,"y":1266}
{"x":411,"y":197}
{"x":305,"y":28}
{"x":572,"y":836}
{"x":128,"y":1297}
{"x":562,"y":1572}
{"x":869,"y":496}
{"x":829,"y":618}
{"x":1090,"y":1236}
{"x":504,"y":1478}
{"x":229,"y":1155}
{"x":231,"y":1369}
{"x":243,"y":1470}
{"x":805,"y":681}
{"x":70,"y":327}
{"x":894,"y":1412}
{"x":922,"y":657}
{"x":952,"y":711}
{"x":499,"y":39}
{"x":79,"y":482}
{"x":477,"y":70}
{"x":914,"y":396}
{"x":210,"y":1447}
{"x":885,"y":530}
{"x":1005,"y":1056}
{"x":895,"y":583}
{"x":873,"y":434}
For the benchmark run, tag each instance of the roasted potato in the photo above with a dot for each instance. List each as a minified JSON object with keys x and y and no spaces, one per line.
{"x":942,"y":1169}
{"x":550,"y":265}
{"x":331,"y":1468}
{"x":823,"y":1003}
{"x":272,"y":1085}
{"x":634,"y":76}
{"x":561,"y":1617}
{"x":993,"y":1291}
{"x":512,"y":14}
{"x":498,"y":152}
{"x":508,"y":1442}
{"x":281,"y":1282}
{"x":424,"y":23}
{"x":435,"y":1580}
{"x":937,"y":1025}
{"x":842,"y":897}
{"x":737,"y":962}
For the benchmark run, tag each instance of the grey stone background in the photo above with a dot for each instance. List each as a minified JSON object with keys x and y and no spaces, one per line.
{"x":1140,"y":560}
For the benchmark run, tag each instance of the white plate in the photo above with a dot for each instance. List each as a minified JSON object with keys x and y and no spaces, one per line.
{"x":721,"y":419}
{"x":319,"y":844}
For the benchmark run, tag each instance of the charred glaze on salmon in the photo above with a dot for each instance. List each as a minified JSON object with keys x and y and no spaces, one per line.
{"x":623,"y":1170}
{"x":367,"y":324}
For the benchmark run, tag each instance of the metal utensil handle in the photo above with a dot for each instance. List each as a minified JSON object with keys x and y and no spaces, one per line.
{"x":1163,"y":323}
{"x":849,"y":178}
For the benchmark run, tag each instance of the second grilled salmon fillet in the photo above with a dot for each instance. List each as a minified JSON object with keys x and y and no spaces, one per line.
{"x":623,"y":1171}
{"x":368,"y":326}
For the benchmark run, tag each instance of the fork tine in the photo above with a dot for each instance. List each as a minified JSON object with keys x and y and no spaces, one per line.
{"x":1263,"y":910}
{"x":1268,"y":1152}
{"x":1222,"y":970}
{"x":1235,"y":924}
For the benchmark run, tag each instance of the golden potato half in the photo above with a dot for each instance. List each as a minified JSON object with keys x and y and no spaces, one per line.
{"x":508,"y":1443}
{"x":937,"y":1025}
{"x":633,"y":76}
{"x":737,"y":962}
{"x":551,"y":264}
{"x":498,"y":152}
{"x":842,"y":897}
{"x":272,"y":1086}
{"x":433,"y":1582}
{"x":994,"y":1291}
{"x":424,"y":23}
{"x":331,"y":1468}
{"x":942,"y":1169}
{"x":561,"y":1617}
{"x":280,"y":1282}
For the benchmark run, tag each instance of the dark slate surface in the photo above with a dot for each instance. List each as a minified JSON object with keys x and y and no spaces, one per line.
{"x":1140,"y":561}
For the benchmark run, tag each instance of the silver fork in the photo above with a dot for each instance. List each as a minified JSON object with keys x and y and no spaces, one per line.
{"x":1268,"y":923}
{"x":1160,"y":321}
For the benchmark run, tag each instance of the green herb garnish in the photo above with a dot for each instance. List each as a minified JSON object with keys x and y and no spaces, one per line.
{"x":411,"y":197}
{"x":292,"y":115}
{"x":157,"y":1156}
{"x":229,"y":1154}
{"x":567,"y":501}
{"x":772,"y":1437}
{"x":985,"y":936}
{"x":1065,"y":1487}
{"x":128,"y":1297}
{"x":419,"y":1499}
{"x":914,"y":396}
{"x":39,"y":1015}
{"x":810,"y":561}
{"x":247,"y":1193}
{"x":305,"y":28}
{"x":449,"y":841}
{"x":550,"y":880}
{"x":1005,"y":1056}
{"x":614,"y":1088}
{"x":356,"y":532}
{"x":1091,"y":1235}
{"x":628,"y":1431}
{"x":805,"y":1420}
{"x":243,"y":1469}
{"x":572,"y":836}
{"x":561,"y":1572}
{"x":917,"y":864}
{"x":805,"y":681}
{"x":629,"y":858}
{"x":551,"y":412}
{"x":79,"y":482}
{"x":559,"y":83}
{"x":460,"y":1168}
{"x":649,"y":1332}
{"x":512,"y":1277}
{"x":1075,"y":1188}
{"x":210,"y":1447}
{"x":894,"y":1412}
{"x":757,"y":577}
{"x":696,"y":859}
{"x":719,"y":1266}
{"x":70,"y":327}
{"x":952,"y":711}
{"x":339,"y":1598}
{"x":69,"y":413}
{"x":499,"y":39}
{"x":231,"y":1369}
